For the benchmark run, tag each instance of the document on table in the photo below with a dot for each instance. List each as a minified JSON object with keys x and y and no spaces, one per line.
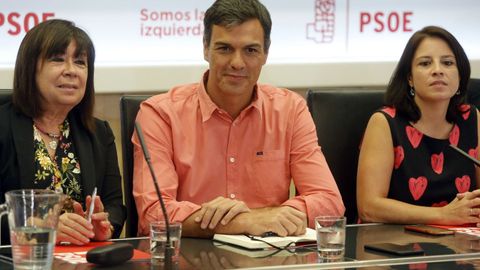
{"x":258,"y":242}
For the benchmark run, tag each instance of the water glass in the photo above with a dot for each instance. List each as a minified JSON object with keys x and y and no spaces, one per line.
{"x":32,"y":217}
{"x":158,"y":240}
{"x":330,"y":236}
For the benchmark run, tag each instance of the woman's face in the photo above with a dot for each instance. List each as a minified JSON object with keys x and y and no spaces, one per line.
{"x":434,"y":71}
{"x":62,"y":79}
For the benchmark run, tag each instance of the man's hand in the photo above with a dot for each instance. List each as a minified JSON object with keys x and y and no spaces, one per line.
{"x":221,"y":210}
{"x":282,"y":220}
{"x":239,"y":219}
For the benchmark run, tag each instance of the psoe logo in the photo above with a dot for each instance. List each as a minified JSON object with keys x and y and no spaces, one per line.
{"x":322,"y":29}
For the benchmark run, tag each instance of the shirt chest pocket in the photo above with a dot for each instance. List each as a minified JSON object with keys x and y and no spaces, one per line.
{"x":269,"y":155}
{"x":269,"y":174}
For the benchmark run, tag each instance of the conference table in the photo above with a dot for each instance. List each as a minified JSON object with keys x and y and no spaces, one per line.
{"x":458,"y":251}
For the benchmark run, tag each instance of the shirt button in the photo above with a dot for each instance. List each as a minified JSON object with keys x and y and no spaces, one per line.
{"x":232,"y":160}
{"x":232,"y":196}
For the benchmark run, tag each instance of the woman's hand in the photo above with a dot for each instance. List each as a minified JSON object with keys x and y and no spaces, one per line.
{"x":74,"y":228}
{"x":102,"y":228}
{"x":465,"y":208}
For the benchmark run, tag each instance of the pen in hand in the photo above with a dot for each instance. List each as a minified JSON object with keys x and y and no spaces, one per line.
{"x":92,"y":205}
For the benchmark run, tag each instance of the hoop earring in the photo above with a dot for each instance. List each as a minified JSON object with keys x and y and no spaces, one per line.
{"x":458,"y":92}
{"x":412,"y":91}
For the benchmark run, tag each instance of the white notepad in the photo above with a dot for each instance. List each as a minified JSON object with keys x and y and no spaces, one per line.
{"x":246,"y":242}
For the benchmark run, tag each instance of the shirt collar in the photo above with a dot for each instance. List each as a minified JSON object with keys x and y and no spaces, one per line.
{"x":257,"y":99}
{"x":208,"y":107}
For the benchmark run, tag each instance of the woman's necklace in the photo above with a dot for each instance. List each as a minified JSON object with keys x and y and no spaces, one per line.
{"x":55,"y":137}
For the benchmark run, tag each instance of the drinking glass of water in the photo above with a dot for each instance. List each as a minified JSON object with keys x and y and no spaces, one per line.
{"x":330,"y":236}
{"x":158,"y":240}
{"x":32,"y":218}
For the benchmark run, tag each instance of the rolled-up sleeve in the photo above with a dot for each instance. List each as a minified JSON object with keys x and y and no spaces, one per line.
{"x":158,"y":136}
{"x":317,"y":191}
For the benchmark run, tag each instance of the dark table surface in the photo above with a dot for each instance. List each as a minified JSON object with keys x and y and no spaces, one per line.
{"x":459,"y":251}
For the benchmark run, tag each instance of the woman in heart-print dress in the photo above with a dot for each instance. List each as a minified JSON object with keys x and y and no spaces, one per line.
{"x":407,"y":171}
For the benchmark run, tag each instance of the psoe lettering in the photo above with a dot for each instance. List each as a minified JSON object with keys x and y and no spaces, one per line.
{"x":16,"y":23}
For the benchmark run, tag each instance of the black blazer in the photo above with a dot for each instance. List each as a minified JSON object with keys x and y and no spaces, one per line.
{"x":96,"y":152}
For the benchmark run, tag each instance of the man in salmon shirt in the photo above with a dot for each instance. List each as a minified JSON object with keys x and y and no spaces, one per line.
{"x":225,"y":149}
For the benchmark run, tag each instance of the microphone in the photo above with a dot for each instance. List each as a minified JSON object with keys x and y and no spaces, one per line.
{"x":463,"y":153}
{"x":146,"y":154}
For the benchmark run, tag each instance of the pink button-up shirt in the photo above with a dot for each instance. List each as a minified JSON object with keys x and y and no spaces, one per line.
{"x":199,"y":153}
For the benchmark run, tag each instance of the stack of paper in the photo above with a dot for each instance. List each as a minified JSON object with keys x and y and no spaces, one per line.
{"x":246,"y":242}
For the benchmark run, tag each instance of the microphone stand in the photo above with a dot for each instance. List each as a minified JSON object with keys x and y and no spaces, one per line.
{"x":463,"y":153}
{"x":168,"y":246}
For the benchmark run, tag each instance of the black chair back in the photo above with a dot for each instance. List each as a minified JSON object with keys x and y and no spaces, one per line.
{"x":129,"y":106}
{"x":473,"y":92}
{"x":5,"y":96}
{"x":341,"y":117}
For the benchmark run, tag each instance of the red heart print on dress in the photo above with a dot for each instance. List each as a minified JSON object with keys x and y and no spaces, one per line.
{"x":399,"y":156}
{"x":390,"y":111}
{"x":418,"y":266}
{"x":414,"y":136}
{"x":437,"y":163}
{"x":465,"y":108}
{"x":417,"y":186}
{"x":454,"y":135}
{"x":463,"y":183}
{"x":440,"y":204}
{"x":473,"y":153}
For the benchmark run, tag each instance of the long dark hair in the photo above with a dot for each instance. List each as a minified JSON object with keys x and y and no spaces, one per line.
{"x":42,"y":42}
{"x":397,"y":94}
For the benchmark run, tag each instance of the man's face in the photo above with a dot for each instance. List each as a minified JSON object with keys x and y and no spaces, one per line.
{"x":236,"y":56}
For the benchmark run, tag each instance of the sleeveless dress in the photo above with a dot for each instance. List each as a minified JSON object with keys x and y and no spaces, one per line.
{"x":427,"y":171}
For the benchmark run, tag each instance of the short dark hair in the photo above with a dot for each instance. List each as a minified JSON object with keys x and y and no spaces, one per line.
{"x":43,"y":41}
{"x":397,"y":94}
{"x":228,"y":13}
